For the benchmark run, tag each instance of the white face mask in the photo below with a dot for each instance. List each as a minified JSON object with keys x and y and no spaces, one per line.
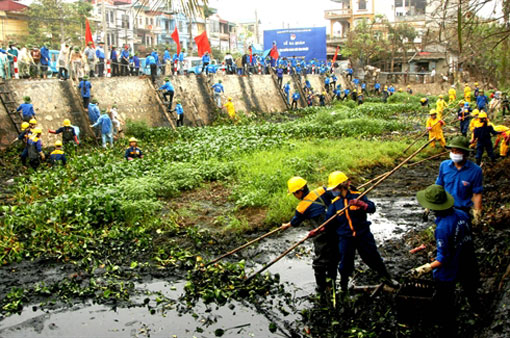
{"x":456,"y":158}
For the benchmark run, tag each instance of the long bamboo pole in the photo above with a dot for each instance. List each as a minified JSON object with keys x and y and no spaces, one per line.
{"x":419,"y":137}
{"x":319,"y":228}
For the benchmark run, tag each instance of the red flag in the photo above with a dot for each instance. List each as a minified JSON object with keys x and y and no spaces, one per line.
{"x":336,"y":54}
{"x":203,"y":44}
{"x":251,"y":54}
{"x":175,"y":37}
{"x":274,"y":52}
{"x":88,"y":34}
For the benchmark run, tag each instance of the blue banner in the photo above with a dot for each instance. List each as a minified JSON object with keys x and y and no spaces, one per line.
{"x":301,"y":42}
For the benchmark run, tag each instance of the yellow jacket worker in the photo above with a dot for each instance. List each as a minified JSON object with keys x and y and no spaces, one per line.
{"x":230,"y":108}
{"x":452,"y":94}
{"x":440,"y":106}
{"x":467,"y":93}
{"x":504,"y":138}
{"x":435,"y":127}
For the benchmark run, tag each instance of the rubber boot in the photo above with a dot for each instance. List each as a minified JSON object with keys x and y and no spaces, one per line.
{"x":320,"y":280}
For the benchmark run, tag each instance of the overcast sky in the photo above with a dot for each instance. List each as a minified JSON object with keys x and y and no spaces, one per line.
{"x":276,"y":13}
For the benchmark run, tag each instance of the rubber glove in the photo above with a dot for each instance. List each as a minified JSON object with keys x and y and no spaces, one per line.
{"x":359,"y":203}
{"x":477,"y":216}
{"x":425,"y":268}
{"x":315,"y":232}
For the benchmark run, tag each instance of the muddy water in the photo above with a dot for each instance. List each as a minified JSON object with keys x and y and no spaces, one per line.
{"x":393,"y":218}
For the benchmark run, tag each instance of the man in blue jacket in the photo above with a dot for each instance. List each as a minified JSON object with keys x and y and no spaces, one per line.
{"x":84,"y":88}
{"x":105,"y":123}
{"x":286,"y":90}
{"x":124,"y":61}
{"x":455,"y":259}
{"x":94,"y":114}
{"x":482,"y":101}
{"x":114,"y":59}
{"x":150,"y":61}
{"x":100,"y":58}
{"x":218,"y":90}
{"x":168,"y":91}
{"x":206,"y":59}
{"x":353,"y":229}
{"x":26,"y":109}
{"x":295,"y":98}
{"x":45,"y":60}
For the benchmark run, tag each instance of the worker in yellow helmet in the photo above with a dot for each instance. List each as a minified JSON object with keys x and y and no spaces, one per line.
{"x":349,"y":212}
{"x":452,"y":94}
{"x":482,"y":138}
{"x":476,"y":91}
{"x":231,"y":111}
{"x":467,"y":93}
{"x":24,"y":135}
{"x":435,"y":127}
{"x":35,"y":153}
{"x":57,"y":156}
{"x":133,"y":151}
{"x":312,"y":208}
{"x":68,"y":133}
{"x":440,"y":106}
{"x":503,"y":138}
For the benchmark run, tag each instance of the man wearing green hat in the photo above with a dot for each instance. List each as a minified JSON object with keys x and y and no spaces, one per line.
{"x":84,"y":88}
{"x":26,"y":109}
{"x":462,"y":178}
{"x":455,"y":259}
{"x":168,"y":90}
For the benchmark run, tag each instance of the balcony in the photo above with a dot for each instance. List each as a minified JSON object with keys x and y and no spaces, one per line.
{"x":343,"y":13}
{"x":410,"y":18}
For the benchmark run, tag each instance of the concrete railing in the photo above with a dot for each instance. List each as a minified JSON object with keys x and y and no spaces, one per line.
{"x":338,"y":13}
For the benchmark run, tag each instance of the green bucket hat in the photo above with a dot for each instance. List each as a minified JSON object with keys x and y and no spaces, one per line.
{"x":76,"y":49}
{"x":434,"y":197}
{"x":167,"y":79}
{"x":26,"y":98}
{"x":85,"y":77}
{"x":459,"y":142}
{"x":94,"y":101}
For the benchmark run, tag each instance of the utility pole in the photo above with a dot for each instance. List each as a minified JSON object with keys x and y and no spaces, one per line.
{"x":105,"y":29}
{"x":256,"y":27}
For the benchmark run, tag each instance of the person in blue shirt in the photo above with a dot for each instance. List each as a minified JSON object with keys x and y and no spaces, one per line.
{"x":206,"y":59}
{"x":100,"y":58}
{"x":353,"y":229}
{"x":338,"y":92}
{"x":150,"y":62}
{"x":94,"y":113}
{"x":174,"y":63}
{"x":180,"y":114}
{"x":133,"y":151}
{"x":155,"y":55}
{"x":482,"y":138}
{"x":346,"y":94}
{"x":364,"y":88}
{"x":311,"y":209}
{"x":114,"y":59}
{"x":105,"y":123}
{"x":57,"y":156}
{"x":295,"y":98}
{"x":333,"y":81}
{"x":464,"y":116}
{"x":455,"y":258}
{"x":26,"y":109}
{"x":279,"y":75}
{"x":167,"y":58}
{"x":84,"y":88}
{"x":356,"y":82}
{"x":168,"y":91}
{"x":350,"y":71}
{"x":327,"y":81}
{"x":377,"y":88}
{"x":391,"y":90}
{"x":218,"y":90}
{"x":124,"y":61}
{"x":181,"y":61}
{"x":45,"y":60}
{"x":286,"y":90}
{"x":308,"y":86}
{"x":482,"y":101}
{"x":462,"y":178}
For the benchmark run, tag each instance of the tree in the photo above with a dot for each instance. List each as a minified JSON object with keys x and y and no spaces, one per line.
{"x":57,"y":21}
{"x":402,"y":38}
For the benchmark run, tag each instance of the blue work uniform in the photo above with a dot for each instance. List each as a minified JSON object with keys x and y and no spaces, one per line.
{"x":84,"y":87}
{"x":124,"y":54}
{"x":133,"y":152}
{"x":464,"y":115}
{"x":94,"y":112}
{"x":286,"y":89}
{"x":218,"y":88}
{"x":100,"y":53}
{"x":483,"y":135}
{"x":113,"y":55}
{"x":482,"y":101}
{"x":150,"y":60}
{"x":377,"y":86}
{"x":461,"y":184}
{"x":312,"y":208}
{"x":57,"y":156}
{"x":27,"y":110}
{"x":206,"y":58}
{"x":296,"y":96}
{"x":353,"y":230}
{"x":167,"y":86}
{"x":68,"y":134}
{"x":105,"y":123}
{"x":279,"y":72}
{"x":166,"y":56}
{"x":45,"y":56}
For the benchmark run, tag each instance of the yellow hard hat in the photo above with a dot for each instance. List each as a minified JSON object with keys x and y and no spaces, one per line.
{"x":441,"y":96}
{"x":230,"y":99}
{"x":432,"y":112}
{"x":501,"y":128}
{"x":295,"y":183}
{"x":132,"y":139}
{"x":475,"y":112}
{"x":461,"y":102}
{"x":408,"y":86}
{"x":58,"y":143}
{"x":476,"y":83}
{"x":67,"y":123}
{"x":336,"y":178}
{"x":24,"y":125}
{"x":482,"y":115}
{"x":32,"y":121}
{"x":37,"y":131}
{"x":423,"y":99}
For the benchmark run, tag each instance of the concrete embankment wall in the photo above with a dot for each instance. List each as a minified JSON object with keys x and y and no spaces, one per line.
{"x":137,"y":100}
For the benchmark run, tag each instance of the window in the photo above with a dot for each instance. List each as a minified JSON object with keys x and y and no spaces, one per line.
{"x":180,"y":26}
{"x":399,"y":3}
{"x":362,"y":4}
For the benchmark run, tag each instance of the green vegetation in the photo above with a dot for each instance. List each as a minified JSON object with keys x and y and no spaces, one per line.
{"x":102,"y":212}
